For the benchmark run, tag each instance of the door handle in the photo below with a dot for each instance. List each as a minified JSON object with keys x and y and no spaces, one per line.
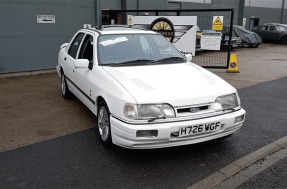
{"x":65,"y":58}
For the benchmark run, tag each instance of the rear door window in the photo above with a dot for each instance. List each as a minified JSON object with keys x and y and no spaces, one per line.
{"x":272,"y":28}
{"x":263,"y":28}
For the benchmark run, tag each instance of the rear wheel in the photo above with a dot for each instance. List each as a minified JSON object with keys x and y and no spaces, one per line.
{"x":256,"y":45}
{"x":64,"y":87}
{"x":103,"y":121}
{"x":284,"y":40}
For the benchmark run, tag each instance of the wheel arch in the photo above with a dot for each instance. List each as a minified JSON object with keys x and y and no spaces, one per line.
{"x":61,"y":70}
{"x":284,"y":37}
{"x":99,"y":99}
{"x":97,"y":102}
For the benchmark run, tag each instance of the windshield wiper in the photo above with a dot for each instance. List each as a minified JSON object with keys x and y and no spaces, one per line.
{"x":131,"y":62}
{"x":172,"y":58}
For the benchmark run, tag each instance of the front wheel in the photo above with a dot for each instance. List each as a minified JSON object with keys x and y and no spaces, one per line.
{"x":245,"y":44}
{"x":103,"y":121}
{"x":284,"y":40}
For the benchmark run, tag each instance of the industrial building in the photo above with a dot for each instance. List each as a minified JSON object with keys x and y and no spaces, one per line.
{"x":33,"y":30}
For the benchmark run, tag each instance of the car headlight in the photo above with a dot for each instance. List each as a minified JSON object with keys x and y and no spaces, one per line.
{"x":227,"y":102}
{"x":148,"y":111}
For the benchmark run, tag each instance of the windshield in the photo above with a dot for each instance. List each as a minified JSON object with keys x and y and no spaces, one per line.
{"x":136,"y":49}
{"x":281,"y":28}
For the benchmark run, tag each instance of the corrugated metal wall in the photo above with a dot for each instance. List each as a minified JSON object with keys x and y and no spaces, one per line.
{"x":266,"y":11}
{"x":27,"y":45}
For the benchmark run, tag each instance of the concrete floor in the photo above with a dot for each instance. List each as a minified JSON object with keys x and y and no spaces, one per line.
{"x":257,"y":65}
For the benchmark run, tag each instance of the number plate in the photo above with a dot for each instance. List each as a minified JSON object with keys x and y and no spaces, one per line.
{"x":199,"y":129}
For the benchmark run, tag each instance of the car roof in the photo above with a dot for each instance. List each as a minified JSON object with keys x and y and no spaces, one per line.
{"x":275,"y":24}
{"x":119,"y":29}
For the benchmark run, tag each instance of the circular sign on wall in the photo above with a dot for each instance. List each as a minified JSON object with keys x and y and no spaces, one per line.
{"x":164,"y":27}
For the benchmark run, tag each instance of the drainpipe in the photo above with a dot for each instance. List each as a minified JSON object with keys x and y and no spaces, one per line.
{"x":240,"y":12}
{"x":249,"y":14}
{"x":124,"y":14}
{"x":282,"y":11}
{"x":138,"y":4}
{"x":98,"y":13}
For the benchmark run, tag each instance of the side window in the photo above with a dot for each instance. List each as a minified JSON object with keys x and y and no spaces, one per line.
{"x":263,"y":27}
{"x":75,"y":45}
{"x":272,"y":28}
{"x":86,"y":51}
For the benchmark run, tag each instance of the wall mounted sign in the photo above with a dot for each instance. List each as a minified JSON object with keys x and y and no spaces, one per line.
{"x":210,"y":42}
{"x":217,"y":23}
{"x":46,"y":19}
{"x":179,"y":30}
{"x":163,"y":26}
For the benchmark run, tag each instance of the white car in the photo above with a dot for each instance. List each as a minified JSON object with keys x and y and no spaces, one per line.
{"x":144,"y":92}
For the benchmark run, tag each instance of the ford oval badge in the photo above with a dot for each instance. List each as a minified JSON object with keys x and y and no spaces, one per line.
{"x":194,"y":110}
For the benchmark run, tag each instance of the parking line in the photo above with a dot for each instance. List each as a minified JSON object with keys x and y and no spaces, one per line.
{"x":218,"y":178}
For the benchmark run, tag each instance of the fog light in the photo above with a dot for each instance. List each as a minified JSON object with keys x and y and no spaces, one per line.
{"x":147,"y":133}
{"x":239,"y":119}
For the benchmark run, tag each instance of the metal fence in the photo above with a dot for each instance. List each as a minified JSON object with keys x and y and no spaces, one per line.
{"x":205,"y":58}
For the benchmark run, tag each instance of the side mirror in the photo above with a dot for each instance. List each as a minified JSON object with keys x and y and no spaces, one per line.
{"x":64,"y":45}
{"x":81,"y":63}
{"x":188,"y":57}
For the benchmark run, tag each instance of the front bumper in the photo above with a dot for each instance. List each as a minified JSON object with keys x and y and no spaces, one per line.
{"x":124,"y":134}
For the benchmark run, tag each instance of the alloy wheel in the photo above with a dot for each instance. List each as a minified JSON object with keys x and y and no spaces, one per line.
{"x":245,"y":44}
{"x":103,"y":123}
{"x":63,"y":84}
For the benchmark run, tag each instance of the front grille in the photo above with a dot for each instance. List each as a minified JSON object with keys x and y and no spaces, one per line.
{"x":188,"y":110}
{"x":194,"y":110}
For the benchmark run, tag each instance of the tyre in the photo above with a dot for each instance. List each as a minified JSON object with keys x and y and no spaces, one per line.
{"x":104,"y":126}
{"x":245,"y":44}
{"x":284,"y":40}
{"x":256,"y":45}
{"x":64,"y":87}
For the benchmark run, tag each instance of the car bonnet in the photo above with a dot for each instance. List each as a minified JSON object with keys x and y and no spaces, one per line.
{"x":177,"y":84}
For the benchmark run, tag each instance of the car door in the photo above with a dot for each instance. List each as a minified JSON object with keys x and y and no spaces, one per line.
{"x":69,"y":58}
{"x":262,"y":31}
{"x":280,"y":32}
{"x":272,"y":33}
{"x":84,"y":77}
